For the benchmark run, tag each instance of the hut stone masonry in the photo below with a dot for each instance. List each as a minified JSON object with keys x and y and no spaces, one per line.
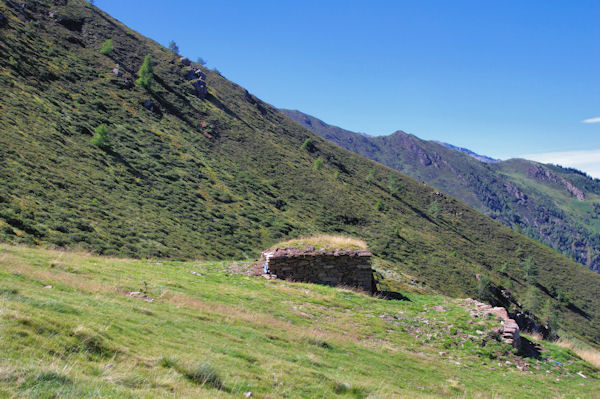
{"x":345,"y":268}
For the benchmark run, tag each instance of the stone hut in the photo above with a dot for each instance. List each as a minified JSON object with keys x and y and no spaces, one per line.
{"x":351,"y":268}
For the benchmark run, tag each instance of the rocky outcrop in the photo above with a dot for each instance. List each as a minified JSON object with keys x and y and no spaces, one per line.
{"x":195,"y":76}
{"x":577,"y":193}
{"x":335,"y":268}
{"x":515,"y":192}
{"x":541,"y":174}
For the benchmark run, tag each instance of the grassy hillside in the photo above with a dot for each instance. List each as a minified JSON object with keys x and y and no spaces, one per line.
{"x":556,"y":206}
{"x":75,"y":326}
{"x":223,"y":177}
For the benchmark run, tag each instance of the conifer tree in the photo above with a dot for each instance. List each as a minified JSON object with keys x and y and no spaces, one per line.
{"x":145,"y":73}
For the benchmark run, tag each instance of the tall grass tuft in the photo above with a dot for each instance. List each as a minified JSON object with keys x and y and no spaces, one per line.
{"x":203,"y":374}
{"x":587,"y":353}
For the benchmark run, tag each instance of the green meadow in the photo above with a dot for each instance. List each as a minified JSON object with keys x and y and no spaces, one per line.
{"x":75,"y":325}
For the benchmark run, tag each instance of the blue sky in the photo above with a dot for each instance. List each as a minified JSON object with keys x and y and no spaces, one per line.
{"x":503,"y":78}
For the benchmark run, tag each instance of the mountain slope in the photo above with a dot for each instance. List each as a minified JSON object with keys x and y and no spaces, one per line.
{"x":556,"y":206}
{"x":181,"y":175}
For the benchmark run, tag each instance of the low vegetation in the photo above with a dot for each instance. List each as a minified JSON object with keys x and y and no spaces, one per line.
{"x":76,"y":325}
{"x":325,"y":242}
{"x":107,"y":47}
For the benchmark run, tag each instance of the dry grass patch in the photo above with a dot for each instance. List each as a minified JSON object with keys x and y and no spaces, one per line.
{"x":324,"y":241}
{"x":587,"y":353}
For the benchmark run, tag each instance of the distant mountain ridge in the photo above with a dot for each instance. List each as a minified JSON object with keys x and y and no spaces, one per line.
{"x":482,"y":158}
{"x":557,"y":206}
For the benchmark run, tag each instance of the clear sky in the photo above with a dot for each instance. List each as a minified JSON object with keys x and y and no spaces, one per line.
{"x":502,"y":78}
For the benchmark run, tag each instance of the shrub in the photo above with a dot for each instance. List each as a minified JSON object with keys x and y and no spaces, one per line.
{"x":434,"y":209}
{"x":394,"y":186}
{"x":107,"y":47}
{"x":484,"y":289}
{"x":371,"y":176}
{"x":305,"y":144}
{"x":318,"y":164}
{"x":167,"y":362}
{"x":145,"y":73}
{"x":100,"y":138}
{"x":378,"y":205}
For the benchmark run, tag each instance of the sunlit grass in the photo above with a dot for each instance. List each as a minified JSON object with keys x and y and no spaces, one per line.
{"x":324,"y":241}
{"x":70,"y":328}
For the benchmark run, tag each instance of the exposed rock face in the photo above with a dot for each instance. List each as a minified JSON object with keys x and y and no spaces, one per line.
{"x":185,"y":61}
{"x":72,"y":23}
{"x":195,"y":76}
{"x":200,"y":88}
{"x":346,"y":268}
{"x":545,"y":175}
{"x":577,"y":193}
{"x":518,"y":194}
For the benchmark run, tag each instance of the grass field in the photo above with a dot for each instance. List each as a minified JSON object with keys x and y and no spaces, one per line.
{"x":74,"y":325}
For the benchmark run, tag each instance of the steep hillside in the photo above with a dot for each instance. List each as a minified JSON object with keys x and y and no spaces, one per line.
{"x":556,"y":206}
{"x":80,"y":326}
{"x":90,"y":159}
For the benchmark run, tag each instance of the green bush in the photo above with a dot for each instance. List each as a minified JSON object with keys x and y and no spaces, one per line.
{"x":434,"y":209}
{"x":305,"y":144}
{"x":378,"y":205}
{"x":107,"y":47}
{"x":394,"y":186}
{"x":100,"y":138}
{"x":318,"y":164}
{"x":145,"y":73}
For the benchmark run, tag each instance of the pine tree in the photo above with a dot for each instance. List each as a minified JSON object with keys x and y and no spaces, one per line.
{"x":173,"y":47}
{"x":145,"y":73}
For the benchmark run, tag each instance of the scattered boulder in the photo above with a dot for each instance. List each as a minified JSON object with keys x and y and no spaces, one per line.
{"x":140,"y":295}
{"x":116,"y":71}
{"x":189,"y":74}
{"x":200,"y":89}
{"x":197,"y":79}
{"x":185,"y":61}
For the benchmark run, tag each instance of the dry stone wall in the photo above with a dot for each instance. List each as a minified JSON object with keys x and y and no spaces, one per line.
{"x":510,"y":332}
{"x":346,"y":268}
